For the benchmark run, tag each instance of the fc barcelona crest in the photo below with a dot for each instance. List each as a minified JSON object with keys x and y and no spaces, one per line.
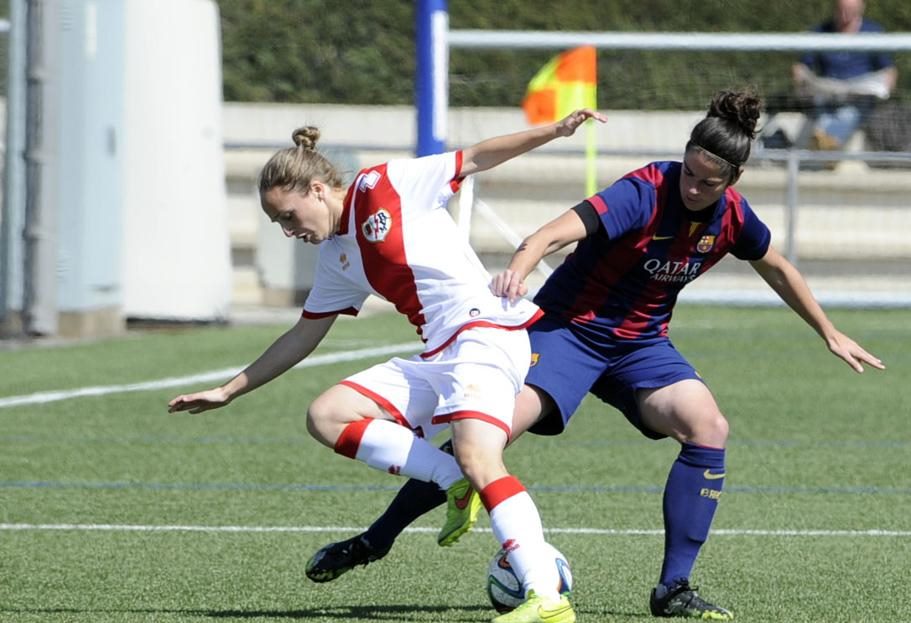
{"x":705,"y":244}
{"x":377,"y":226}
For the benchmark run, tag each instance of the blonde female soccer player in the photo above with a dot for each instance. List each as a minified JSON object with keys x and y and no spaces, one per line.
{"x":389,"y":234}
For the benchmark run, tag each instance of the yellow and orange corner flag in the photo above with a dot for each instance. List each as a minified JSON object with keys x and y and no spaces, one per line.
{"x":566,"y":83}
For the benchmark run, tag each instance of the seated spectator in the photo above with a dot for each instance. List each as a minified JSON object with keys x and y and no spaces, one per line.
{"x":843,"y":86}
{"x":836,"y":90}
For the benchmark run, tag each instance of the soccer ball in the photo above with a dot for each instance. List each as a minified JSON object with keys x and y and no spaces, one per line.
{"x":503,"y":587}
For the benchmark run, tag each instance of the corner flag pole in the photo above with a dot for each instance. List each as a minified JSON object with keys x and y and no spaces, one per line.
{"x":591,"y":159}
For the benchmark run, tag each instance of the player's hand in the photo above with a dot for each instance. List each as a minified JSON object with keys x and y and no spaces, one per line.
{"x":509,"y":284}
{"x":200,"y":401}
{"x":855,"y":356}
{"x":568,"y":125}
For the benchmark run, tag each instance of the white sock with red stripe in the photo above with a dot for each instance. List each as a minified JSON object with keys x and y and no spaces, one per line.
{"x":390,"y":447}
{"x":517,"y":527}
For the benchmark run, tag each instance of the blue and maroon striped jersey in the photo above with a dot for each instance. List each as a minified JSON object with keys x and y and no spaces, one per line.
{"x":623,"y":280}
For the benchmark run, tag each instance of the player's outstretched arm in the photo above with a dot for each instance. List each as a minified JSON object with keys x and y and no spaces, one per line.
{"x":563,"y":230}
{"x":790,"y":285}
{"x":493,"y":151}
{"x":289,"y":349}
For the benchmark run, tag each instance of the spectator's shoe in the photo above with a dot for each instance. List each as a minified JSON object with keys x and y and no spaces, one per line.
{"x":339,"y":558}
{"x":540,"y":610}
{"x":462,"y":506}
{"x":822,"y":141}
{"x":682,"y":601}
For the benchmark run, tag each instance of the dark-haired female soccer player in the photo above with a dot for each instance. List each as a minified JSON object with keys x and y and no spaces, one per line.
{"x":606,"y":332}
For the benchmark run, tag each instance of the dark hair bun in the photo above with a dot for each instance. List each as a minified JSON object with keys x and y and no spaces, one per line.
{"x":740,"y":107}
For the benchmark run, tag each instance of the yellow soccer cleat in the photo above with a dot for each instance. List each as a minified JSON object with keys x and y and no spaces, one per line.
{"x":462,"y":507}
{"x":540,"y":610}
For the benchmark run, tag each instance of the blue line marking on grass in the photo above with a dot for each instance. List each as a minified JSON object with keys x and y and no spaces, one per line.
{"x":294,"y":440}
{"x":733,"y":532}
{"x":338,"y":488}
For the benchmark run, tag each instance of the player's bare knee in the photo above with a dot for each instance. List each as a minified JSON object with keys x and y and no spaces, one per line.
{"x":314,"y":426}
{"x":478,"y":463}
{"x":322,"y":421}
{"x":478,"y":449}
{"x":721,"y":427}
{"x":468,"y":458}
{"x":711,"y":430}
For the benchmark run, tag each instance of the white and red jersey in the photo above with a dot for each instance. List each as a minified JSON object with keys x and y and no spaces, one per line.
{"x":397,"y":240}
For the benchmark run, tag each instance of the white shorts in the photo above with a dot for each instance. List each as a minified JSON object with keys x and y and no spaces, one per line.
{"x":477,"y":376}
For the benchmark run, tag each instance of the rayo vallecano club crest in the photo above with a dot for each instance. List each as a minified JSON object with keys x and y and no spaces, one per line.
{"x":377,"y":226}
{"x":705,"y":244}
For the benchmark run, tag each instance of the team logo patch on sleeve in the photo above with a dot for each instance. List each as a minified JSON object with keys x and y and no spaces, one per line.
{"x":705,"y":244}
{"x":368,"y":180}
{"x":377,"y":226}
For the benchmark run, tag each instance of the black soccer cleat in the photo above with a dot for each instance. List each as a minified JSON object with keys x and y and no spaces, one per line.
{"x":681,"y":600}
{"x":336,"y":559}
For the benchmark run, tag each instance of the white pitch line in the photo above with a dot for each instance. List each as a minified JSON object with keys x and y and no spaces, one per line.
{"x":204,"y":377}
{"x":343,"y":529}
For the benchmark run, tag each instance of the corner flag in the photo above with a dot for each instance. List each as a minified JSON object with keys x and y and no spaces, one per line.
{"x":566,"y":83}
